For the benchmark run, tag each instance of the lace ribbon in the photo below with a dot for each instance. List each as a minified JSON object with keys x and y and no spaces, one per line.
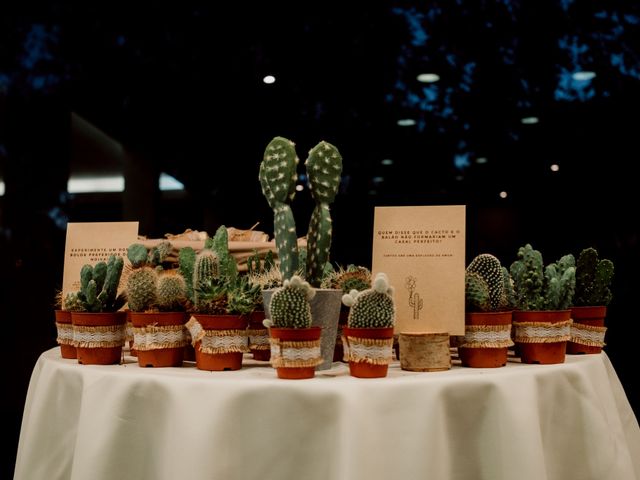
{"x":153,"y":337}
{"x":487,"y":336}
{"x":258,"y":339}
{"x":128,"y":335}
{"x":543,"y":332}
{"x":588,"y":335}
{"x":377,"y":351}
{"x":217,"y":341}
{"x":292,"y":354}
{"x":65,"y":333}
{"x":98,"y":337}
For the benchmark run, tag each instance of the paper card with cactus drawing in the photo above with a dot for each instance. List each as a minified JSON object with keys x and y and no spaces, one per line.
{"x":94,"y":242}
{"x":422,"y":250}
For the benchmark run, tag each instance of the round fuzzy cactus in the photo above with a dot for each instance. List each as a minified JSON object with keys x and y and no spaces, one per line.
{"x":171,"y":291}
{"x":141,"y":289}
{"x":371,"y":308}
{"x":476,"y":293}
{"x":289,"y":305}
{"x":489,"y":269}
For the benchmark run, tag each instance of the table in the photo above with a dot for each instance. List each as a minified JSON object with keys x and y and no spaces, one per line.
{"x":538,"y":422}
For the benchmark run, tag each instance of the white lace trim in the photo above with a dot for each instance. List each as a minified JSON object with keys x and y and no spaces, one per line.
{"x":96,"y":337}
{"x":233,"y":343}
{"x":155,"y":337}
{"x":588,"y":335}
{"x":65,"y":333}
{"x":542,"y":332}
{"x":295,"y":354}
{"x":129,"y":332}
{"x":487,"y":336}
{"x":258,"y":340}
{"x":376,"y":351}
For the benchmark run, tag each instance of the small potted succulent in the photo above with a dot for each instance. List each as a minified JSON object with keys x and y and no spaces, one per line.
{"x":489,"y":296}
{"x":295,"y":343}
{"x":98,"y":327}
{"x":593,"y":294}
{"x":261,"y":272}
{"x":354,"y":277}
{"x":278,"y":182}
{"x":64,"y":328}
{"x":542,"y":319}
{"x":368,"y":336}
{"x":222,"y":302}
{"x":157,"y":300}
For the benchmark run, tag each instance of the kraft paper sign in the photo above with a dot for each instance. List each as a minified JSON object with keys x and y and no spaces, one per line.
{"x":92,"y":243}
{"x":422,"y":250}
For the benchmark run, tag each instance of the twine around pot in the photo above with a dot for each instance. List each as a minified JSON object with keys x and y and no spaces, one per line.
{"x":153,"y":337}
{"x":217,"y":341}
{"x":295,"y":353}
{"x":98,"y":336}
{"x":487,"y":336}
{"x":376,"y":351}
{"x":589,"y":335}
{"x":543,"y":332}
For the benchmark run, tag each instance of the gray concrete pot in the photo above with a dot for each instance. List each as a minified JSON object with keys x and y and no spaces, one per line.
{"x":325,"y":313}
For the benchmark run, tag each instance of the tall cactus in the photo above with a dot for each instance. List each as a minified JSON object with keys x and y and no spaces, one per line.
{"x":371,"y":308}
{"x":593,"y":278}
{"x":289,"y":305}
{"x":324,"y":167}
{"x":205,"y":269}
{"x":186,"y":262}
{"x":560,"y":283}
{"x":528,"y":277}
{"x":278,"y":180}
{"x":220,"y":245}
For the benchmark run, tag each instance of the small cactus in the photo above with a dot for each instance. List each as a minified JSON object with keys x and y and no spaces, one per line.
{"x":560,"y":283}
{"x":205,"y":269}
{"x":171,"y":291}
{"x":141,"y":289}
{"x":324,"y":167}
{"x":593,"y":279}
{"x":289,"y":305}
{"x":99,"y":286}
{"x":509,"y":293}
{"x":186,"y":262}
{"x":352,"y":278}
{"x":278,"y":180}
{"x":476,"y":293}
{"x":371,"y":308}
{"x":490,"y":269}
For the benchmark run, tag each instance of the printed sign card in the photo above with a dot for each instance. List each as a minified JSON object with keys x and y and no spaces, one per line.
{"x":422,"y":250}
{"x":92,"y":243}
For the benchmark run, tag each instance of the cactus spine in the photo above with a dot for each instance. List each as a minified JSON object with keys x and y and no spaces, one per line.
{"x":171,"y":291}
{"x":141,"y":289}
{"x":371,"y":308}
{"x":490,"y":270}
{"x":289,"y":305}
{"x":593,"y":278}
{"x":278,"y":180}
{"x":205,"y":269}
{"x":352,"y":278}
{"x":324,"y":167}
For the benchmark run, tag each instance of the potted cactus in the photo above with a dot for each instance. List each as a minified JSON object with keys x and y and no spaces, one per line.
{"x":262,"y":274}
{"x":222,"y":301}
{"x":157,"y":300}
{"x":354,"y":277}
{"x":278,"y":181}
{"x":98,"y":327}
{"x":593,"y":279}
{"x":542,"y":319}
{"x":64,"y":328}
{"x":368,"y":336}
{"x":489,"y":297}
{"x":295,"y":343}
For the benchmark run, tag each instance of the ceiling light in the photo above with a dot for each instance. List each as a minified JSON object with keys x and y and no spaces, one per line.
{"x":387,"y":162}
{"x":269,"y":79}
{"x":168,"y":183}
{"x":555,"y":167}
{"x":481,"y":160}
{"x":428,"y":77}
{"x":299,"y":188}
{"x":503,"y":194}
{"x":1,"y":188}
{"x":529,"y":120}
{"x":406,"y":122}
{"x":377,"y":180}
{"x":583,"y":76}
{"x":96,"y":184}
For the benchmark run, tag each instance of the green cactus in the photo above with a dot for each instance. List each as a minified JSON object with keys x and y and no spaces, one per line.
{"x":477,"y":296}
{"x":243,"y":297}
{"x":186,"y":262}
{"x":354,"y":277}
{"x":593,"y":279}
{"x":72,"y":303}
{"x":205,"y":269}
{"x":278,"y":181}
{"x":99,"y":286}
{"x":560,"y":283}
{"x":137,"y":254}
{"x":371,"y":308}
{"x":490,"y":269}
{"x":289,"y":305}
{"x":159,"y":253}
{"x":509,"y":293}
{"x":228,"y":268}
{"x":141,"y":289}
{"x":257,"y":265}
{"x":528,"y":277}
{"x":324,"y":167}
{"x":171,"y":291}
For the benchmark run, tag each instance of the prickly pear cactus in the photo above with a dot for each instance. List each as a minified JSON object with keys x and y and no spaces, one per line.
{"x":141,"y":289}
{"x":371,"y":308}
{"x":278,"y":180}
{"x":289,"y":305}
{"x":593,"y":279}
{"x":324,"y":167}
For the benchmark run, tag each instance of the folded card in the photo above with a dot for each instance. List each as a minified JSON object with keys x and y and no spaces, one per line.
{"x":422,"y":250}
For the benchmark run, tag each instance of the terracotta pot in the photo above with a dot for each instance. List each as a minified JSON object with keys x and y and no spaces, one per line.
{"x":338,"y":351}
{"x":538,"y":352}
{"x":255,"y":323}
{"x":63,"y":317}
{"x":296,"y":335}
{"x":132,"y":351}
{"x":159,"y":357}
{"x":100,"y":355}
{"x":485,"y":357}
{"x":219,"y":361}
{"x":365,"y":369}
{"x":592,"y":316}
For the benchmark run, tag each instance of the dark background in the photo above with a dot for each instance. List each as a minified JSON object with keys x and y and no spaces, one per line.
{"x":138,"y":89}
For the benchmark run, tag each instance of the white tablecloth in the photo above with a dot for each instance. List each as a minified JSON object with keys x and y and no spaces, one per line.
{"x":538,"y":422}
